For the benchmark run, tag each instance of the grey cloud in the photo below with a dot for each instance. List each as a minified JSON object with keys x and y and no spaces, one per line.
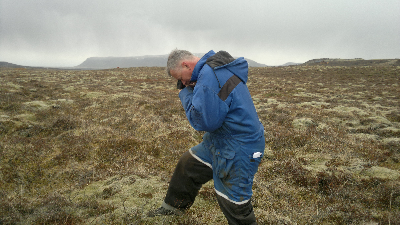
{"x":52,"y":32}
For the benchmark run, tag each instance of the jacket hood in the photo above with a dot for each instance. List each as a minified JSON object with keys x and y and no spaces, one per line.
{"x":222,"y":59}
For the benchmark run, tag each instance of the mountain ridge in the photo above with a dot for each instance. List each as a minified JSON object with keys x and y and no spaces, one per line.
{"x":137,"y":61}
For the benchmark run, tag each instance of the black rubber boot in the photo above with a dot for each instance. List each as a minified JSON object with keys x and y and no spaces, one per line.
{"x":165,"y":210}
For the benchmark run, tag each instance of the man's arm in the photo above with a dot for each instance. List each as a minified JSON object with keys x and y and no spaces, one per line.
{"x":204,"y":109}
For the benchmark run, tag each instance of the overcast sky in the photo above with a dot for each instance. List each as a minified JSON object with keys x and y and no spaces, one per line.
{"x":272,"y":32}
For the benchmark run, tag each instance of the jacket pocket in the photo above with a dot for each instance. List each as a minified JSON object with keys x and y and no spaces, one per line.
{"x":224,"y":160}
{"x":251,"y":167}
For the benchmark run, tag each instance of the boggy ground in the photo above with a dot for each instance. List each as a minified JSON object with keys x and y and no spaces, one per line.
{"x":99,"y":147}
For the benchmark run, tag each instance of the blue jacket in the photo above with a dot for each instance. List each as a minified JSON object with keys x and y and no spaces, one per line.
{"x":221,"y":104}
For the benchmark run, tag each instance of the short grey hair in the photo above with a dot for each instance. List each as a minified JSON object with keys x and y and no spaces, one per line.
{"x":175,"y":57}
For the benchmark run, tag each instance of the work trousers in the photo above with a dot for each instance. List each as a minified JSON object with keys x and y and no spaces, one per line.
{"x":189,"y":175}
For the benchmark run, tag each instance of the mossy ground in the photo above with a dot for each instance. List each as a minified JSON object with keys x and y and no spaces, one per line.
{"x":99,"y":147}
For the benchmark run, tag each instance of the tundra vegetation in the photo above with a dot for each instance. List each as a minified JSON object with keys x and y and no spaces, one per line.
{"x":99,"y":146}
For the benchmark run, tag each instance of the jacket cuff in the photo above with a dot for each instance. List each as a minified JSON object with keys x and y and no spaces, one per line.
{"x":185,"y":92}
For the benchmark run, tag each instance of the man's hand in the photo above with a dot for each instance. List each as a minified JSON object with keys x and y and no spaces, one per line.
{"x":180,"y":85}
{"x":192,"y":84}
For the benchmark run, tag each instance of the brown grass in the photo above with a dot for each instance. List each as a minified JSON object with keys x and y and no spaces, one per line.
{"x":90,"y":147}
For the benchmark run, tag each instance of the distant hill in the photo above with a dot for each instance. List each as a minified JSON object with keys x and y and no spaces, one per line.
{"x":291,"y":64}
{"x":353,"y":62}
{"x":123,"y":62}
{"x":10,"y":65}
{"x":139,"y":61}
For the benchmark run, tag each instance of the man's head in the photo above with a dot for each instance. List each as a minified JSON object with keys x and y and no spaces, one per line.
{"x":180,"y":65}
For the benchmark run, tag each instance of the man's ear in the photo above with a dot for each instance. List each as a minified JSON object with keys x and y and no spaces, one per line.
{"x":185,"y":64}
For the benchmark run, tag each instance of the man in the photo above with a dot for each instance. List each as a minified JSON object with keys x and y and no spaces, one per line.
{"x":216,"y":100}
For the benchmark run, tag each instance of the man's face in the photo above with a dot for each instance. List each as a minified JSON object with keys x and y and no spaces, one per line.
{"x":183,"y":73}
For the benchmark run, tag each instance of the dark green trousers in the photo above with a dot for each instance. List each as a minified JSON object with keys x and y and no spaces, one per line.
{"x":189,"y":175}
